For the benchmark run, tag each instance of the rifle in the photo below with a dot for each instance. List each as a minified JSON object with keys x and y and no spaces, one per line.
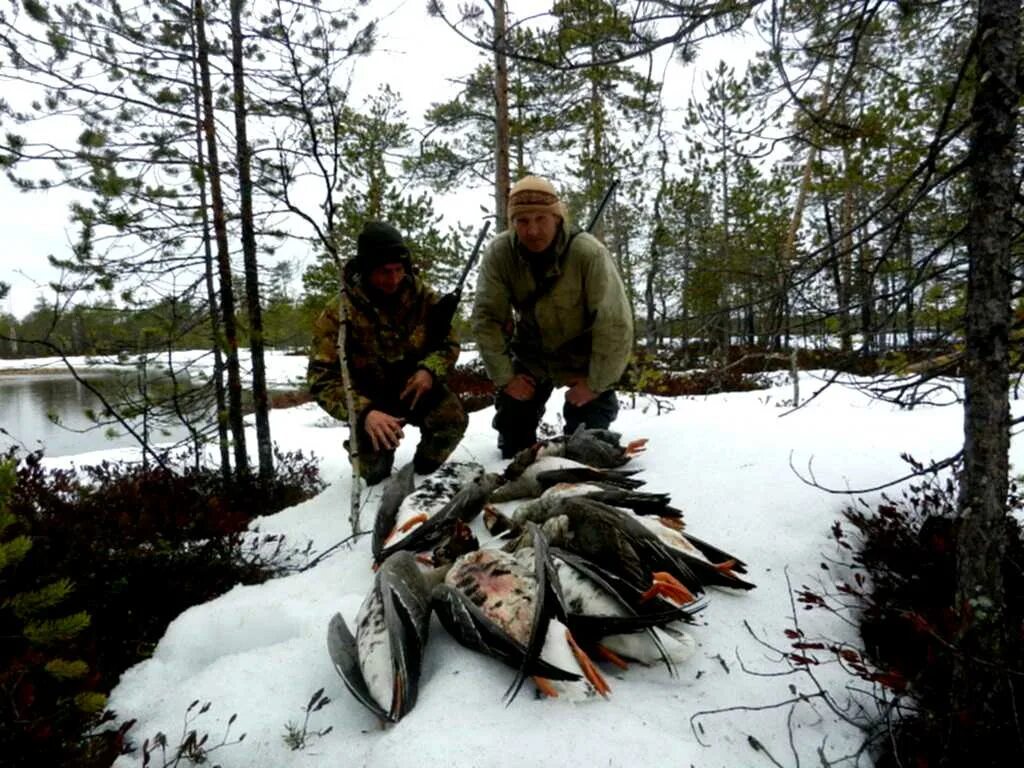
{"x":444,"y":311}
{"x":601,"y":206}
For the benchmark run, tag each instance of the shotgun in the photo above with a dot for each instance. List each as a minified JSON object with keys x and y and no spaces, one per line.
{"x":444,"y":311}
{"x":601,"y":206}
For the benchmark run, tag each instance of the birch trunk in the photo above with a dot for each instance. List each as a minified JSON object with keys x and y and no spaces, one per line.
{"x":350,"y":404}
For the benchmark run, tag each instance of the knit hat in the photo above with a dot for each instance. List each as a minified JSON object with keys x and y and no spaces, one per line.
{"x":380,"y":243}
{"x":532,"y":194}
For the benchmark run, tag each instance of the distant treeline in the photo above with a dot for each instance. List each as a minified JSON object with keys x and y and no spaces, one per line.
{"x":104,"y":329}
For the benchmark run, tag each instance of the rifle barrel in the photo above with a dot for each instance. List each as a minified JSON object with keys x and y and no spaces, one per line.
{"x":600,"y":208}
{"x":472,"y":257}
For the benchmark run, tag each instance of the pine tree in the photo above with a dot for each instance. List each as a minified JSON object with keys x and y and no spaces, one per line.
{"x":372,"y":189}
{"x":42,"y":680}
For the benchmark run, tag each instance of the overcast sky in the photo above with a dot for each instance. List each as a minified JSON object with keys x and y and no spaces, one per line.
{"x":416,"y":55}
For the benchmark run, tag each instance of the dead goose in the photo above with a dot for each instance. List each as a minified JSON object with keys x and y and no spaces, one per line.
{"x":612,"y":540}
{"x":721,"y":571}
{"x":531,"y":480}
{"x":600,"y":611}
{"x":396,"y":489}
{"x":711,"y":564}
{"x":493,"y":602}
{"x":381,"y":664}
{"x":421,"y":526}
{"x":600,"y":448}
{"x":641,"y":502}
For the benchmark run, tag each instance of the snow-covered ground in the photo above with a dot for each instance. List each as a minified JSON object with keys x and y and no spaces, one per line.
{"x":259,"y":652}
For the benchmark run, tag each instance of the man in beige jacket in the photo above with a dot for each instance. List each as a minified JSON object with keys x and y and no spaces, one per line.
{"x":550,"y":310}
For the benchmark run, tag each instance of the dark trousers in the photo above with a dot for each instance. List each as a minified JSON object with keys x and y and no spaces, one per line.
{"x":442,"y":421}
{"x":516,"y":420}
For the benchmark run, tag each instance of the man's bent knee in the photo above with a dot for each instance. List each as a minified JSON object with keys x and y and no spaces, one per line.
{"x":516,"y":423}
{"x":374,"y":467}
{"x":599,"y":413}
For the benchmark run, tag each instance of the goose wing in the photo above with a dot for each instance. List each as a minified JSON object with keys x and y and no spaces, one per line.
{"x":717,"y":574}
{"x":406,"y":605}
{"x":634,"y":616}
{"x":716,"y":555}
{"x":619,"y":478}
{"x":397,"y":488}
{"x":640,"y":502}
{"x":341,"y":646}
{"x":548,"y":601}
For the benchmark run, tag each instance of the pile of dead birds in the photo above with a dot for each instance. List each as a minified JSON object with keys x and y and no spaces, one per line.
{"x":581,"y":567}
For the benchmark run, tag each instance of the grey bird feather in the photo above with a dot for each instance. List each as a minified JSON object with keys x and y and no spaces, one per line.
{"x":397,"y":487}
{"x":404,"y":596}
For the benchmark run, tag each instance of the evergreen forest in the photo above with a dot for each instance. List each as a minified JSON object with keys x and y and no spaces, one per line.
{"x":843,"y":193}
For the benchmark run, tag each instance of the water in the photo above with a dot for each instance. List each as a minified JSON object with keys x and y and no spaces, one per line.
{"x":27,"y":400}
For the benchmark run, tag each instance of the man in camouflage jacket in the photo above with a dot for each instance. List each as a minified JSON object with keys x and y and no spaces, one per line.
{"x":550,"y":310}
{"x":396,"y":365}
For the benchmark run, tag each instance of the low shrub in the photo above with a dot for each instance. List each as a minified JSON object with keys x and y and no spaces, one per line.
{"x":654,"y":375}
{"x":909,"y":621}
{"x":645,"y":375}
{"x":138,"y":545}
{"x":48,"y":691}
{"x":471,"y":383}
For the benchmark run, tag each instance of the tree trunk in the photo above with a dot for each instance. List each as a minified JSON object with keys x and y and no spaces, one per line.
{"x":501,"y":128}
{"x":261,"y":405}
{"x":908,"y":297}
{"x":227,"y":298}
{"x":350,"y":404}
{"x":722,"y":331}
{"x":788,"y":256}
{"x":211,"y":291}
{"x":749,"y":323}
{"x":844,"y":254}
{"x":982,"y":686}
{"x":595,"y":168}
{"x":657,"y":238}
{"x":684,"y":298}
{"x":866,"y":291}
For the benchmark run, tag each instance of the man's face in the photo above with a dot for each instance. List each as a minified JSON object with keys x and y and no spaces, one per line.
{"x":387,"y":277}
{"x":536,"y":231}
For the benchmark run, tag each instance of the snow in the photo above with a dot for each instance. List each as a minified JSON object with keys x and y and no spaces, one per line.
{"x":282,"y":368}
{"x":729,"y":461}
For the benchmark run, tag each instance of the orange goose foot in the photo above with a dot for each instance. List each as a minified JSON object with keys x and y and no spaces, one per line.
{"x":726,"y":567}
{"x":592,"y":673}
{"x":544,"y":687}
{"x":411,"y":522}
{"x":636,"y":446}
{"x":613,"y":658}
{"x":667,"y":585}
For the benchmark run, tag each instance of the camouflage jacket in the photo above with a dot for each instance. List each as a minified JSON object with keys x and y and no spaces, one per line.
{"x":385,"y":344}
